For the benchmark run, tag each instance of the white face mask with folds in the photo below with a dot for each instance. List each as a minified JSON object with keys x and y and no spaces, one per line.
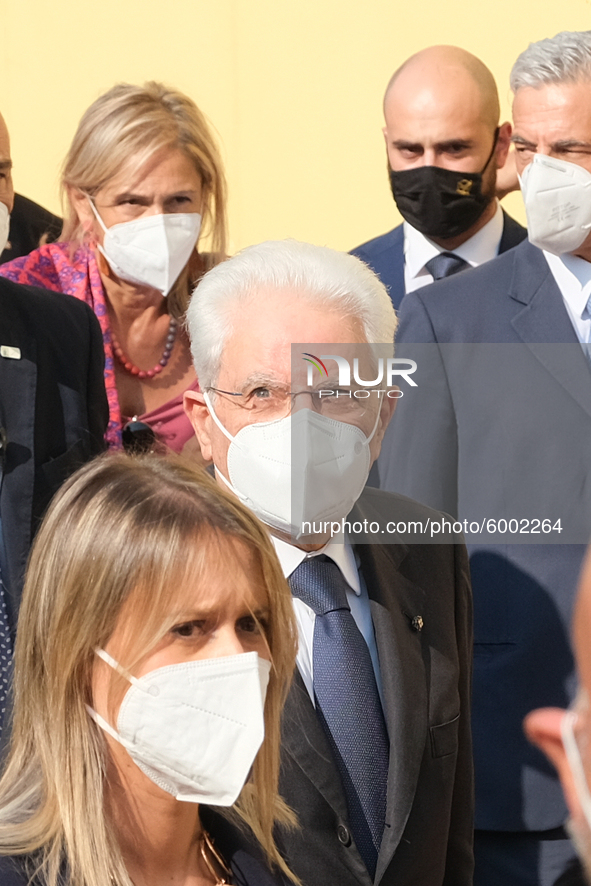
{"x":150,"y":251}
{"x":557,"y":197}
{"x":194,"y":728}
{"x":4,"y":225}
{"x":330,"y":468}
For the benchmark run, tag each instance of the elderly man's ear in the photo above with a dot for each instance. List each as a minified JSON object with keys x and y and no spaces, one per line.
{"x":544,"y":729}
{"x":198,"y":414}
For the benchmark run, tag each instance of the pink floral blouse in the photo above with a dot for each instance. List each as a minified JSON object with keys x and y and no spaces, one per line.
{"x":52,"y":267}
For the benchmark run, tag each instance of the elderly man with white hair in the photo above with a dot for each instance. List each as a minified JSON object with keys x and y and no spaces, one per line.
{"x":377,"y":752}
{"x":516,"y":451}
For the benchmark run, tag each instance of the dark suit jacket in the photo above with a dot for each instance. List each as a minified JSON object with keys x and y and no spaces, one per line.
{"x":240,"y":853}
{"x":385,"y":255}
{"x":426,"y":679}
{"x":53,"y":409}
{"x":503,"y":429}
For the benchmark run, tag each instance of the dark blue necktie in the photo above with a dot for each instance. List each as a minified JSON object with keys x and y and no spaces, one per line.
{"x":347,"y":701}
{"x":445,"y":264}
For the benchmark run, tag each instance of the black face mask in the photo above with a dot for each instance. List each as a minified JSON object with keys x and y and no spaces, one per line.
{"x":440,"y":202}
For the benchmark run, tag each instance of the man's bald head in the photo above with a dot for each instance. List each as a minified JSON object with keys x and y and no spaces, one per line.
{"x":439,"y":73}
{"x":6,"y":188}
{"x":442,"y":110}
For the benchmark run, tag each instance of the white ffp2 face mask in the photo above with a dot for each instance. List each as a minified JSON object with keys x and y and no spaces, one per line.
{"x":4,"y":225}
{"x":557,"y":197}
{"x":150,"y":251}
{"x":194,"y":728}
{"x":321,"y":482}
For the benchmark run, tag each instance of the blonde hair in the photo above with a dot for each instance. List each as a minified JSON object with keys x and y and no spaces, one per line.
{"x":136,"y":122}
{"x":121,"y":528}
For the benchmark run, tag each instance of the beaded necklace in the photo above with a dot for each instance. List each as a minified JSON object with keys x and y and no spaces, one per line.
{"x":147,"y":373}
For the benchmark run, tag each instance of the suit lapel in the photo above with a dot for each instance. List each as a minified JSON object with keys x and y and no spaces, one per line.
{"x":513,"y":233}
{"x":544,"y":326}
{"x":394,"y":601}
{"x":304,"y":740}
{"x":398,"y":269}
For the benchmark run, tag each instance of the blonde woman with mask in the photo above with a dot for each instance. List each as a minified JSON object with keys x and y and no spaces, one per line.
{"x":143,"y":184}
{"x":154,"y":650}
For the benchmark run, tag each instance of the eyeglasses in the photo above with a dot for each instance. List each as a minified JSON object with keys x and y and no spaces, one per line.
{"x":267,"y":402}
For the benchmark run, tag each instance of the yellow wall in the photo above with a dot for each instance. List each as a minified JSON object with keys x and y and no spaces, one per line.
{"x":293,"y":87}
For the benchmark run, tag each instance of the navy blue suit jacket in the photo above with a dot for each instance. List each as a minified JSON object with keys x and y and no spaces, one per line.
{"x":385,"y":255}
{"x":241,"y":854}
{"x":53,"y":410}
{"x":464,"y":448}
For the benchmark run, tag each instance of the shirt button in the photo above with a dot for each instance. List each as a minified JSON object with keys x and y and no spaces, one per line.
{"x":344,"y":835}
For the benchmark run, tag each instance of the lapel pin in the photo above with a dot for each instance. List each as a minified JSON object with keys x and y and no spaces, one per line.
{"x":416,"y":623}
{"x":10,"y":353}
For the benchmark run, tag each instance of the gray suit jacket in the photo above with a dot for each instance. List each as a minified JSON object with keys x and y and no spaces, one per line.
{"x":501,"y":429}
{"x":426,"y":678}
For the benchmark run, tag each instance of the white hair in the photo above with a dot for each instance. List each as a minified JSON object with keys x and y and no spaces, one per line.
{"x":565,"y":58}
{"x":316,"y":274}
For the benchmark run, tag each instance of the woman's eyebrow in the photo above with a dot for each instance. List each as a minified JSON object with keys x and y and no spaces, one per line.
{"x":130,"y":195}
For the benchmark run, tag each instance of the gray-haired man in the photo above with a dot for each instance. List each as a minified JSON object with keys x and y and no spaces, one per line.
{"x":376,"y":758}
{"x":524,"y":452}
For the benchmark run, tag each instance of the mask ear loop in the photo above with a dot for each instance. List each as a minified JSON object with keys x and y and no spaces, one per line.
{"x":227,"y":434}
{"x":112,"y":662}
{"x":211,"y":411}
{"x":4,"y":222}
{"x":100,"y":721}
{"x":492,"y":150}
{"x":576,"y":764}
{"x":102,"y":224}
{"x":96,"y":213}
{"x":106,"y":727}
{"x":375,"y":427}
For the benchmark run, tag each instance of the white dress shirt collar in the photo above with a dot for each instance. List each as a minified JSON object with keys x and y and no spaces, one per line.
{"x":338,"y":549}
{"x":573,"y":277}
{"x":418,"y":250}
{"x":341,"y":551}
